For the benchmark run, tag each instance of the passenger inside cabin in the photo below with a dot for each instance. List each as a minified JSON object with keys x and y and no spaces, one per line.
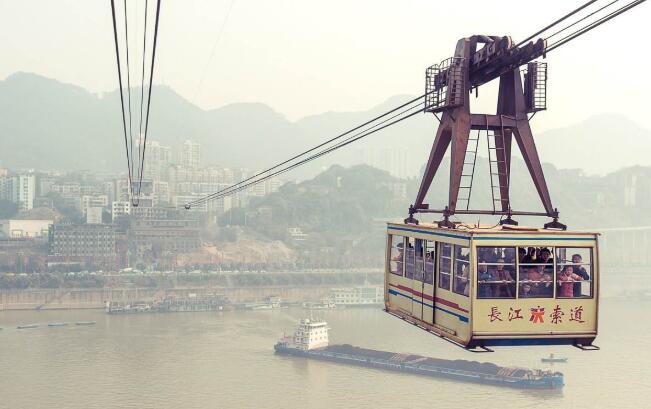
{"x":484,"y":280}
{"x":522,"y":252}
{"x":461,"y":281}
{"x":526,"y":291}
{"x":566,"y":280}
{"x":530,"y":257}
{"x":580,"y":271}
{"x":398,"y":258}
{"x":506,"y":287}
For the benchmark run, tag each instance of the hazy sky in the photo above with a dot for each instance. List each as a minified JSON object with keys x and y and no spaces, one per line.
{"x":304,"y":57}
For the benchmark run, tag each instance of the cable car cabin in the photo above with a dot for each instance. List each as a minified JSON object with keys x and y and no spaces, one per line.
{"x":504,"y":285}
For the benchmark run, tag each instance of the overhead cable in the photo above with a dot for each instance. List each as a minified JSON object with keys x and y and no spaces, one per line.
{"x":573,"y":12}
{"x":151,"y":77}
{"x":124,"y":122}
{"x":595,"y":24}
{"x":264,"y":175}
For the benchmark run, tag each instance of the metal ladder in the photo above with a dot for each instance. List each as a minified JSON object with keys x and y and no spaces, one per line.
{"x":468,"y":171}
{"x":494,"y":167}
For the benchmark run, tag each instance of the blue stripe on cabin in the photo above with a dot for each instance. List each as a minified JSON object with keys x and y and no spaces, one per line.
{"x":454,"y":236}
{"x":461,"y":317}
{"x":534,"y":238}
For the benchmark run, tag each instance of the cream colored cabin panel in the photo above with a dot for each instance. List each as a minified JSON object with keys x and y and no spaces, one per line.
{"x":399,"y":289}
{"x":540,"y":316}
{"x":428,"y":303}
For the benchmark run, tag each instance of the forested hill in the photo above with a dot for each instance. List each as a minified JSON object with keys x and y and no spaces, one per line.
{"x":348,"y":202}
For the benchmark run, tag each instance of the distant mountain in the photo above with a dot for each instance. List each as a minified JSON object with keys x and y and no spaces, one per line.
{"x":46,"y":124}
{"x":598,"y":145}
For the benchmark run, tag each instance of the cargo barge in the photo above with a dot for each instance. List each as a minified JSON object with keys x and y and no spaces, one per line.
{"x":191,"y":303}
{"x":310,"y":340}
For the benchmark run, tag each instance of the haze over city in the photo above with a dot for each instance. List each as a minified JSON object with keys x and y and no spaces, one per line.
{"x":218,"y":266}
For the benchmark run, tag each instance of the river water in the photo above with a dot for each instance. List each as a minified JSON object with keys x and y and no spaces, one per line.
{"x":226,"y":360}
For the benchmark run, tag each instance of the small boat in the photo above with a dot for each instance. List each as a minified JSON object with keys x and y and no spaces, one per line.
{"x":85,"y":323}
{"x":27,"y":326}
{"x":57,"y":324}
{"x":552,"y":358}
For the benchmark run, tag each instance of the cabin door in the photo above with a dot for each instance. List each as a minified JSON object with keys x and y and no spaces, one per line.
{"x":417,"y":287}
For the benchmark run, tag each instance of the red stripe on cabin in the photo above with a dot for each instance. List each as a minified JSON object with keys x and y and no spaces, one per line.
{"x":430,"y":298}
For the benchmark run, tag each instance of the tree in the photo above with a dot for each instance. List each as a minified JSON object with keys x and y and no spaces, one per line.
{"x":8,"y":209}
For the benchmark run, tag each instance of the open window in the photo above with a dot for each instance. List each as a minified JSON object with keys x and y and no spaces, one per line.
{"x":397,"y":261}
{"x":419,"y":273}
{"x":574,"y":272}
{"x":410,"y":257}
{"x":430,"y":261}
{"x":536,"y":273}
{"x":496,"y":272}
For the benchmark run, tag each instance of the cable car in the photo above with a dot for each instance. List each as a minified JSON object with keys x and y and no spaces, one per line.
{"x":503,"y":285}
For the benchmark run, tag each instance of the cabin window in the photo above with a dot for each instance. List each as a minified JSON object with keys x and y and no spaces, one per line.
{"x":397,"y":255}
{"x":410,"y":261}
{"x":419,"y":274}
{"x":461,"y":270}
{"x":430,"y":261}
{"x":496,"y":272}
{"x":445,"y":265}
{"x":574,"y":272}
{"x":536,"y":273}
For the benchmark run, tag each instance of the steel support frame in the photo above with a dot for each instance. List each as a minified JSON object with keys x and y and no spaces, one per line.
{"x":454,"y":131}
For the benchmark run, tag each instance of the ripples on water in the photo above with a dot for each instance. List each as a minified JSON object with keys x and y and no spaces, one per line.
{"x":225,"y":360}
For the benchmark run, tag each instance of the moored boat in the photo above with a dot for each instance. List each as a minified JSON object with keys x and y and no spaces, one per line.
{"x":27,"y":326}
{"x":57,"y":324}
{"x":551,"y":358}
{"x":85,"y":323}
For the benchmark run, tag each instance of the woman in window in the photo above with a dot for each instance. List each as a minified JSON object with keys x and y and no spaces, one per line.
{"x":566,"y":281}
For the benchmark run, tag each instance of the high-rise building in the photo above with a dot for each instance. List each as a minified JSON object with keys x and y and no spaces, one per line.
{"x":190,"y":154}
{"x":157,"y":160}
{"x":120,"y":208}
{"x":94,"y":215}
{"x":88,"y":201}
{"x":23,"y":191}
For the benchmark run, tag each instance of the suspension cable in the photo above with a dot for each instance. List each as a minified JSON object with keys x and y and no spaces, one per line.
{"x":323,"y":143}
{"x":142,"y":79}
{"x":359,"y":135}
{"x":595,"y":24}
{"x":309,"y":159}
{"x":582,"y":19}
{"x":151,"y":77}
{"x":220,"y":33}
{"x":573,"y":12}
{"x":126,"y":47}
{"x":124,"y":122}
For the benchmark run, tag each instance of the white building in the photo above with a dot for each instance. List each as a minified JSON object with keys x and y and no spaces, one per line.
{"x":25,"y":228}
{"x":88,"y":201}
{"x":120,"y":208}
{"x":23,"y":191}
{"x":190,"y":154}
{"x":157,"y":160}
{"x":94,"y":215}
